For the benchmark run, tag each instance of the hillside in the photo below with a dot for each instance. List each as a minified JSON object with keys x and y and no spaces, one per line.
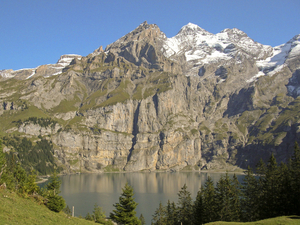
{"x":17,"y":210}
{"x":284,"y":220}
{"x":147,"y":102}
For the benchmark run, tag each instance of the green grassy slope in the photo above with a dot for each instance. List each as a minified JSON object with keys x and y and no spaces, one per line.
{"x":283,"y":220}
{"x":17,"y":210}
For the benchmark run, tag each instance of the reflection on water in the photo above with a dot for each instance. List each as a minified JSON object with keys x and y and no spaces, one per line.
{"x":84,"y":190}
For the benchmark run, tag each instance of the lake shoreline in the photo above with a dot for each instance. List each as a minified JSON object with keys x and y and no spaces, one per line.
{"x":239,"y":171}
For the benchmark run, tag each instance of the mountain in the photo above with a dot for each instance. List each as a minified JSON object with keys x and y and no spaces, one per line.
{"x":147,"y":102}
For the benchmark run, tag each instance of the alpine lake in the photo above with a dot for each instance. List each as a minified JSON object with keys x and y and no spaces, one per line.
{"x":83,"y":191}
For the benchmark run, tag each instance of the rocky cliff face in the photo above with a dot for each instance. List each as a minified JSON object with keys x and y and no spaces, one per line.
{"x":148,"y":102}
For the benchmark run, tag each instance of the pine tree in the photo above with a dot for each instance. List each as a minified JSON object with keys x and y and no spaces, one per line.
{"x":295,"y":182}
{"x":235,"y":198}
{"x":185,"y":206}
{"x":171,"y":213}
{"x":285,"y":204}
{"x":142,"y":219}
{"x":54,"y":183}
{"x":98,"y":214}
{"x":250,"y":196}
{"x":159,"y":217}
{"x":228,"y":199}
{"x":223,"y":199}
{"x":198,"y":208}
{"x":55,"y":202}
{"x":209,"y":202}
{"x":20,"y":178}
{"x":270,"y":188}
{"x":261,"y":168}
{"x":30,"y":185}
{"x":125,"y":209}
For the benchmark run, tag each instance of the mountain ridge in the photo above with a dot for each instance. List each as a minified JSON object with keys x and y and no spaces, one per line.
{"x":147,"y":102}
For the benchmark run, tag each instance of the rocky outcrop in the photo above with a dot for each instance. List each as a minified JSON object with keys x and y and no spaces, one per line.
{"x":147,"y":102}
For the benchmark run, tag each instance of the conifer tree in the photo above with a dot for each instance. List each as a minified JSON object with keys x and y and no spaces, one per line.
{"x":228,"y":199}
{"x":270,"y":188}
{"x":142,"y":219}
{"x":171,"y":213}
{"x":235,"y":192}
{"x":98,"y":214}
{"x":209,"y":203}
{"x":250,"y":197}
{"x":261,"y":168}
{"x":54,"y":183}
{"x":159,"y":217}
{"x":285,"y":204}
{"x":55,"y":202}
{"x":198,"y":208}
{"x":30,"y":185}
{"x":125,"y":209}
{"x":295,"y":182}
{"x":184,"y":206}
{"x":223,"y":203}
{"x":20,"y":177}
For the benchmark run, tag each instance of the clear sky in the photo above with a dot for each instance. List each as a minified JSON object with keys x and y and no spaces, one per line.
{"x":37,"y":32}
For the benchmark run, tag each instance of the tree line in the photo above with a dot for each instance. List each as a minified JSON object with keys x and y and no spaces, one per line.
{"x":273,"y":191}
{"x":31,"y":155}
{"x":15,"y":178}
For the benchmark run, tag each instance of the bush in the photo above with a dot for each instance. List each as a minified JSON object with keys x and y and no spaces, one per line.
{"x":56,"y":203}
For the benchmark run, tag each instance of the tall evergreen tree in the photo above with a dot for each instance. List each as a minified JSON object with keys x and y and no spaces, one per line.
{"x":261,"y":168}
{"x":198,"y":208}
{"x":142,"y":219}
{"x":295,"y":182}
{"x":285,"y":204}
{"x":228,"y":199}
{"x":250,"y":197}
{"x":209,"y":202}
{"x":98,"y":215}
{"x":54,"y":184}
{"x":171,"y":213}
{"x":159,"y":217}
{"x":235,"y":198}
{"x":270,"y":188}
{"x":185,"y":206}
{"x":125,"y":208}
{"x":20,"y":177}
{"x":55,"y":202}
{"x":30,"y":185}
{"x":223,"y":199}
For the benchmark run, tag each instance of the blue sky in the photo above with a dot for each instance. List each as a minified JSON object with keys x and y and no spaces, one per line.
{"x":37,"y":32}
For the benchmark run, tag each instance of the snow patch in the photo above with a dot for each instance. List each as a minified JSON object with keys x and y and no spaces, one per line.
{"x":254,"y":78}
{"x":215,"y":56}
{"x":33,"y":72}
{"x":60,"y":72}
{"x":6,"y":73}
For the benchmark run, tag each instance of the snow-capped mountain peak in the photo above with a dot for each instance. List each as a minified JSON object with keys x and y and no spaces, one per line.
{"x":65,"y":60}
{"x":192,"y":29}
{"x":204,"y":47}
